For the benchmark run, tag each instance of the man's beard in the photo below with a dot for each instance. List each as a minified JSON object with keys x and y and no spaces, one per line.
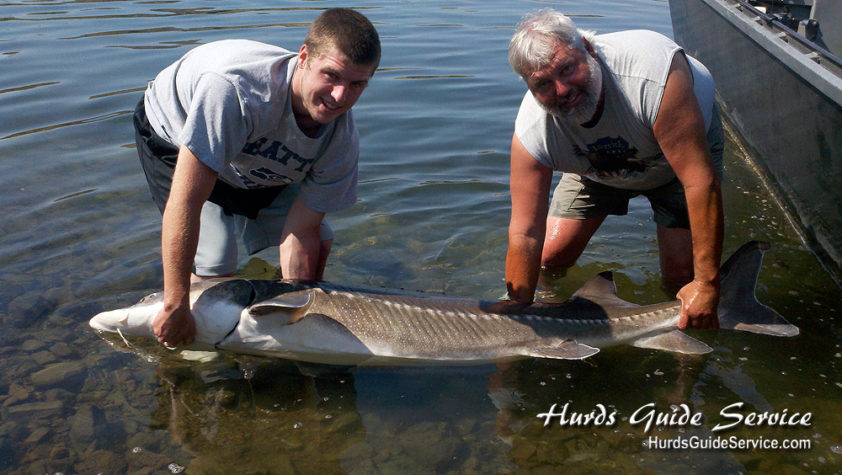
{"x":586,"y":110}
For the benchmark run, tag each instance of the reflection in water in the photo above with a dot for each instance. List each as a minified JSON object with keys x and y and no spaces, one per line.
{"x":522,"y":391}
{"x":271,"y":419}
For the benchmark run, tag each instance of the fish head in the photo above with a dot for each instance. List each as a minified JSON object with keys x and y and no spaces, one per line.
{"x":215,"y":305}
{"x":130,"y":321}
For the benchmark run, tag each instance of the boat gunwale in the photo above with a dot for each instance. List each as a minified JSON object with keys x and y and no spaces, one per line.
{"x":825,"y":77}
{"x":773,"y":22}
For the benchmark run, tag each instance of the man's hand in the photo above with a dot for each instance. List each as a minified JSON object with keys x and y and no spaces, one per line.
{"x":699,"y":301}
{"x":174,"y":326}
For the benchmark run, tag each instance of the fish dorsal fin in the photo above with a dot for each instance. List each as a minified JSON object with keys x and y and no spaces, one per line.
{"x":294,"y":304}
{"x":564,"y":350}
{"x":674,"y":341}
{"x":601,"y":289}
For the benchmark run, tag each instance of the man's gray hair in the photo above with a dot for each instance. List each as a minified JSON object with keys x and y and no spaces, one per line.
{"x":533,"y":44}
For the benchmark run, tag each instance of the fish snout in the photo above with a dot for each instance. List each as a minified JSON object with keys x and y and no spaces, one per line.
{"x":110,"y":321}
{"x":135,"y":320}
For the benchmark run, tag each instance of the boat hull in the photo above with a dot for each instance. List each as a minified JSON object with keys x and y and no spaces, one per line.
{"x":786,"y":107}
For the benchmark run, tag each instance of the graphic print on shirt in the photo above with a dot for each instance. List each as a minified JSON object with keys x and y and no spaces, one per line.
{"x":612,"y":157}
{"x":292,"y":166}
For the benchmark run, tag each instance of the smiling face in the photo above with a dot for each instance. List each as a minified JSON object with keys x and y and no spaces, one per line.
{"x":326,"y":86}
{"x":570,"y":85}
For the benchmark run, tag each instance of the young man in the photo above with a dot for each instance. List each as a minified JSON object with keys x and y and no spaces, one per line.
{"x":621,"y":114}
{"x":243,"y":138}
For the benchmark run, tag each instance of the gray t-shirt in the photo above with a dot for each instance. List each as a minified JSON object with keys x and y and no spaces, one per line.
{"x":620,"y":150}
{"x":230,"y":103}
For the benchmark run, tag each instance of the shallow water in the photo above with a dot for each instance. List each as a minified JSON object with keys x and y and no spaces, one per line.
{"x":80,"y":234}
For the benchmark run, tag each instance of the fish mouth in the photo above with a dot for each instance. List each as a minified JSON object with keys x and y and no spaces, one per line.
{"x":109,"y":321}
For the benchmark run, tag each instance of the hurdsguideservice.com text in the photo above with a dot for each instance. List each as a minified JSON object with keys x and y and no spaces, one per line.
{"x":648,"y":417}
{"x":725,"y":443}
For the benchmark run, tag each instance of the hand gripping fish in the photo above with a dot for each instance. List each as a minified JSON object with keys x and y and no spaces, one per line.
{"x":325,"y":323}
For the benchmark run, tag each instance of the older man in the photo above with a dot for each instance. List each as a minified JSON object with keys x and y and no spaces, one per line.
{"x":240,"y":138}
{"x":621,"y":115}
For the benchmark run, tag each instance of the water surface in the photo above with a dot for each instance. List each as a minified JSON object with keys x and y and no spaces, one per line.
{"x":80,"y":234}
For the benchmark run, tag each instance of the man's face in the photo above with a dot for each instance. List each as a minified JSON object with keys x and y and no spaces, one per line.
{"x":570,"y":86}
{"x":327,"y":86}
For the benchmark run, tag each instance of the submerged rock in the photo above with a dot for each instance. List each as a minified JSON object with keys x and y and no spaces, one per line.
{"x":82,"y":426}
{"x":65,"y":374}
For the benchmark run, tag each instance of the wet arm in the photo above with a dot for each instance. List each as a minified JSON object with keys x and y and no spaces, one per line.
{"x":191,"y":186}
{"x":530,"y":186}
{"x":679,"y":129}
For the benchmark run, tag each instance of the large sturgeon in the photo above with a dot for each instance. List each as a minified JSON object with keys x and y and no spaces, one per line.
{"x":324,"y":323}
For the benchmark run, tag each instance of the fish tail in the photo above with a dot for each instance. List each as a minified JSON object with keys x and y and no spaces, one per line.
{"x":739,"y":308}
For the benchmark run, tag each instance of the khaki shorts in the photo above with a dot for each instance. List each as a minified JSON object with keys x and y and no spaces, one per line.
{"x":577,"y":197}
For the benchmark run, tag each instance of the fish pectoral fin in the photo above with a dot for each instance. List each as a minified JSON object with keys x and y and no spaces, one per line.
{"x":294,"y":304}
{"x":565,"y":350}
{"x":675,"y":341}
{"x":772,"y":329}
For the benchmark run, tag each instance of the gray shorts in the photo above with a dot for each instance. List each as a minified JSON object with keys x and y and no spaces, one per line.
{"x":577,"y":197}
{"x":217,"y":253}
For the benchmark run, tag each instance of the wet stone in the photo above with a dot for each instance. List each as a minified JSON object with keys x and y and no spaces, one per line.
{"x":345,"y":423}
{"x":361,"y":467}
{"x":101,"y":461}
{"x":65,"y":374}
{"x":399,"y":465}
{"x":39,"y":466}
{"x":62,"y":350}
{"x":522,"y":449}
{"x":17,"y":393}
{"x":431,"y":445}
{"x":56,"y":295}
{"x":59,"y":452}
{"x":465,"y":426}
{"x":142,"y":443}
{"x":27,"y":309}
{"x":471,"y":465}
{"x":82,"y":426}
{"x":10,"y":429}
{"x":583,"y":457}
{"x":359,"y":451}
{"x":37,"y":435}
{"x":544,"y":470}
{"x":43,"y":357}
{"x":787,"y":469}
{"x":33,"y":407}
{"x":549,"y":453}
{"x":32,"y":345}
{"x":58,"y":394}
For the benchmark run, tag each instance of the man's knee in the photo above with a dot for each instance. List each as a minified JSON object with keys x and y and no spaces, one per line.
{"x":566,"y":239}
{"x":559,"y":256}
